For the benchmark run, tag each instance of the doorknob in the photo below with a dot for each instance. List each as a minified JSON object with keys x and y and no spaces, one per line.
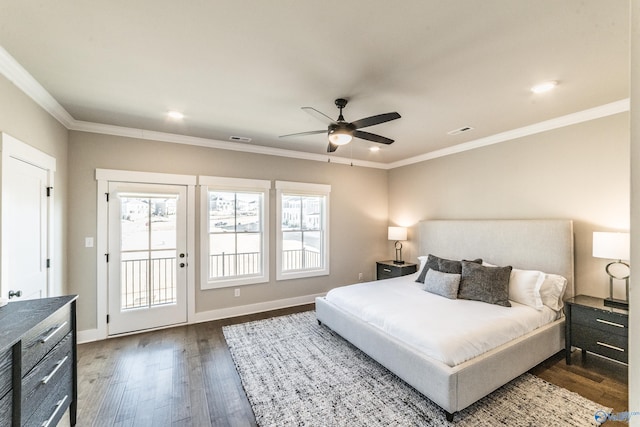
{"x":15,"y":294}
{"x":182,"y":264}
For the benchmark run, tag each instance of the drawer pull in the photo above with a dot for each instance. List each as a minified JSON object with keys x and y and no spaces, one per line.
{"x":58,"y":366}
{"x":48,"y":337}
{"x":610,"y":346}
{"x":55,"y":412}
{"x":386,"y":270}
{"x":606,"y":322}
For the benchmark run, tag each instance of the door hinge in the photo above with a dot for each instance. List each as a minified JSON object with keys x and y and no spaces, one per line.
{"x":107,"y":196}
{"x":107,"y":318}
{"x":48,"y":263}
{"x":49,"y":191}
{"x":107,"y":257}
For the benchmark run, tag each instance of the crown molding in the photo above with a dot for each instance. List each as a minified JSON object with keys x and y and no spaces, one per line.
{"x":173,"y":138}
{"x":16,"y":74}
{"x":558,"y":122}
{"x":20,"y":77}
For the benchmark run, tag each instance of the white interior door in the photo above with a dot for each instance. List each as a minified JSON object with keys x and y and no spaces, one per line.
{"x":25,"y":230}
{"x":147,"y":256}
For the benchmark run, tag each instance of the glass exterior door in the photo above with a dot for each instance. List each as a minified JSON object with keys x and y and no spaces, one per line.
{"x":147,"y":258}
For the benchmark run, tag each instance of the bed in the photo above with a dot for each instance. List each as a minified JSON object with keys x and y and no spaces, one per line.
{"x":457,"y":381}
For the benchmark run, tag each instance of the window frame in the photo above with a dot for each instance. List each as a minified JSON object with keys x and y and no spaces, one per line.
{"x":303,"y":189}
{"x":237,"y":185}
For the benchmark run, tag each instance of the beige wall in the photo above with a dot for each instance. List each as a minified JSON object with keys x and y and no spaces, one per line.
{"x":358,"y":212}
{"x":579,"y":172}
{"x":23,"y":119}
{"x":634,"y":316}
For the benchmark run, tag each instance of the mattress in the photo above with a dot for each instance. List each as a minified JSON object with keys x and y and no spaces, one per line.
{"x":451,"y":331}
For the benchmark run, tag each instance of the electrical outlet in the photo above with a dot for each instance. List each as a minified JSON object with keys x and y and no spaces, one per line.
{"x":236,"y":292}
{"x":360,"y":277}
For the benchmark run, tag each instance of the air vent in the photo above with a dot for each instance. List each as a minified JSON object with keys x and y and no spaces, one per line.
{"x":461,"y":130}
{"x":239,"y":138}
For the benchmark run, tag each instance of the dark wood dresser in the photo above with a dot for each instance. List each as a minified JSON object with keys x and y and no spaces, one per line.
{"x":38,"y":362}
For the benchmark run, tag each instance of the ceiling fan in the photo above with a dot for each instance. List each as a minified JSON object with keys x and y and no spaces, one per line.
{"x":340,"y":132}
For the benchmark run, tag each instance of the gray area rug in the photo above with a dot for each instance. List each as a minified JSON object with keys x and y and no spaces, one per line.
{"x":298,"y":373}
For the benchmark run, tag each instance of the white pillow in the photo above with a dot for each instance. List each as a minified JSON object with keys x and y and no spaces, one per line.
{"x":524,"y":287}
{"x":552,"y":291}
{"x":423,"y":261}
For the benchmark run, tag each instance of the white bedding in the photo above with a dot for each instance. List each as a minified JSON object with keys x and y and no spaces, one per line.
{"x":451,"y":331}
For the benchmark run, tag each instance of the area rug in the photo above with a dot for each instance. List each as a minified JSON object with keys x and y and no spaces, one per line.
{"x":298,"y":373}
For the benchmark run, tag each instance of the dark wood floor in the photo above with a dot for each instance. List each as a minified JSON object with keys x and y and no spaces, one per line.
{"x":185,"y":376}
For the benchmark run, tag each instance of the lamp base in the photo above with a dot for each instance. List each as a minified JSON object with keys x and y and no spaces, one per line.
{"x":616,"y":303}
{"x":398,"y":262}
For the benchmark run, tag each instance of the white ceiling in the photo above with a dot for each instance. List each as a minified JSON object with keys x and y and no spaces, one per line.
{"x":245,"y":67}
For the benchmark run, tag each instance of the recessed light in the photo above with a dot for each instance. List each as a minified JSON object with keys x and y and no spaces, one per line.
{"x":176,"y":115}
{"x":544,"y":87}
{"x":374,"y":149}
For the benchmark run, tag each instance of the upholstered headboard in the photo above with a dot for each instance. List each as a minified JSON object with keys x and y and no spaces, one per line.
{"x":545,"y":245}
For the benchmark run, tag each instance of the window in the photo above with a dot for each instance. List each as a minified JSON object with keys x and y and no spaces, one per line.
{"x":236,"y":232}
{"x":303,"y":230}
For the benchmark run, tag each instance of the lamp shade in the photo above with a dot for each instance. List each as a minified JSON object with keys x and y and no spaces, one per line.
{"x":397,"y":233}
{"x":611,"y":245}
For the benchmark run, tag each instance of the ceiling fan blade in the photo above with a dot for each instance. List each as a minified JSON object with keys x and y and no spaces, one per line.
{"x":372,"y":137}
{"x":374,"y":120}
{"x":331,"y":147}
{"x":312,"y":132}
{"x":318,"y":115}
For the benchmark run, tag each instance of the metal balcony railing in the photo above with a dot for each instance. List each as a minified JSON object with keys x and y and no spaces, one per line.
{"x":147,"y":283}
{"x":248,"y":263}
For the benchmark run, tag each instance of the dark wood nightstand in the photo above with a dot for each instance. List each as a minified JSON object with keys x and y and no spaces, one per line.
{"x":388,"y":269}
{"x":596,"y":328}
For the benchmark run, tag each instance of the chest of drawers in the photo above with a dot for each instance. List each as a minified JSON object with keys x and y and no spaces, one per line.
{"x":38,"y":377}
{"x":596,"y":328}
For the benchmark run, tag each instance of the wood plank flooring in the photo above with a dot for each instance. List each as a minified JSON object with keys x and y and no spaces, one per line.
{"x":185,"y":376}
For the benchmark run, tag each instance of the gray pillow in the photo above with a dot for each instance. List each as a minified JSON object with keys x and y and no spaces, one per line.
{"x":432,"y":263}
{"x":443,"y":284}
{"x":486,"y":284}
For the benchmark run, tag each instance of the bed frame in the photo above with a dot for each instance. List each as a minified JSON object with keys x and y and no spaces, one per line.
{"x":545,"y":245}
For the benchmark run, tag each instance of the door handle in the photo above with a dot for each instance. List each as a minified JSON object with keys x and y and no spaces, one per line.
{"x":15,"y":294}
{"x":182,"y":264}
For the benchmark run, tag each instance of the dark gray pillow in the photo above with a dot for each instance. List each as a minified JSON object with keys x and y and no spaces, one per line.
{"x":432,"y":263}
{"x":453,"y":267}
{"x":486,"y":284}
{"x":443,"y":284}
{"x":442,"y":264}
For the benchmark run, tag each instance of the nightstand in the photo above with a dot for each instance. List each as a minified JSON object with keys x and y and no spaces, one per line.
{"x":388,"y":269}
{"x":596,"y":328}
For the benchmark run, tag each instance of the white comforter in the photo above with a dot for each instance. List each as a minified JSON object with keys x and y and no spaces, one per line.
{"x":451,"y":331}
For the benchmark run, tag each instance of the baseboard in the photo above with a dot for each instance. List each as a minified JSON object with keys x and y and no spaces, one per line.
{"x":241,"y":310}
{"x":89,"y":335}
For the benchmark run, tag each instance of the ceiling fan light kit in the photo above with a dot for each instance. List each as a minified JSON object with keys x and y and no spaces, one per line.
{"x":340,"y":132}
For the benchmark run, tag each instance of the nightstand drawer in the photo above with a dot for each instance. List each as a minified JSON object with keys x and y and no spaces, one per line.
{"x":600,"y":342}
{"x":386,"y":272}
{"x":608,"y":322}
